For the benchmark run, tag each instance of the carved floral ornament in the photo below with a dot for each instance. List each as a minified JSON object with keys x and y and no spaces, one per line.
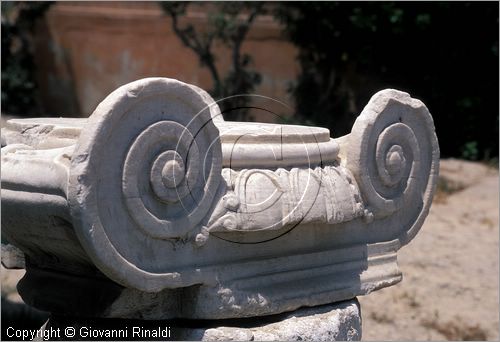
{"x":161,"y":193}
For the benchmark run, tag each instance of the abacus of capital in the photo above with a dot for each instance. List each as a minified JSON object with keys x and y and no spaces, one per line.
{"x":155,"y":208}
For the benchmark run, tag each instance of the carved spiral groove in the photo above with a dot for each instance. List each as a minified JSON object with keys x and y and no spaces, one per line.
{"x":144,"y":175}
{"x":394,"y":154}
{"x":166,"y":157}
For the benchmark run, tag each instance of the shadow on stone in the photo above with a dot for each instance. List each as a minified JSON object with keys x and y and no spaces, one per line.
{"x":19,"y":316}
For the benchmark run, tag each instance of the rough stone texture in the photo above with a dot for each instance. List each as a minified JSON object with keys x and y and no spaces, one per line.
{"x":334,"y":322}
{"x":160,"y":209}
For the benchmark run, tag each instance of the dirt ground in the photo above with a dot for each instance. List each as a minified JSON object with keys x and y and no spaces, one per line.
{"x":451,"y":269}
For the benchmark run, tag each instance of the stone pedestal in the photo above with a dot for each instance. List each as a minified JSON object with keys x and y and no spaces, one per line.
{"x":156,"y":208}
{"x":332,"y":322}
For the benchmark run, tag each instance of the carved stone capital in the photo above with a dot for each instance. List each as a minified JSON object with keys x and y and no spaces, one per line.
{"x":183,"y":214}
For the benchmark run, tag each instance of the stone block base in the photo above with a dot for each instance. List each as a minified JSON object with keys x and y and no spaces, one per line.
{"x":332,"y":322}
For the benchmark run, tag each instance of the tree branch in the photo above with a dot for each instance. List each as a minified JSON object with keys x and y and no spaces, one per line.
{"x":189,"y":38}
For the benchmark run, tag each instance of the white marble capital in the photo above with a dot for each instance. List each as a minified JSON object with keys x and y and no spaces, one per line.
{"x":193,"y":216}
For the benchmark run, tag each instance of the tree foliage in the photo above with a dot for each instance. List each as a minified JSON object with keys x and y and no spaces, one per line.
{"x":18,"y":69}
{"x":228,"y":23}
{"x":445,"y":54}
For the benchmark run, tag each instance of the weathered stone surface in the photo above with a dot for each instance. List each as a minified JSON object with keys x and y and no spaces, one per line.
{"x":334,"y":322}
{"x":186,"y":215}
